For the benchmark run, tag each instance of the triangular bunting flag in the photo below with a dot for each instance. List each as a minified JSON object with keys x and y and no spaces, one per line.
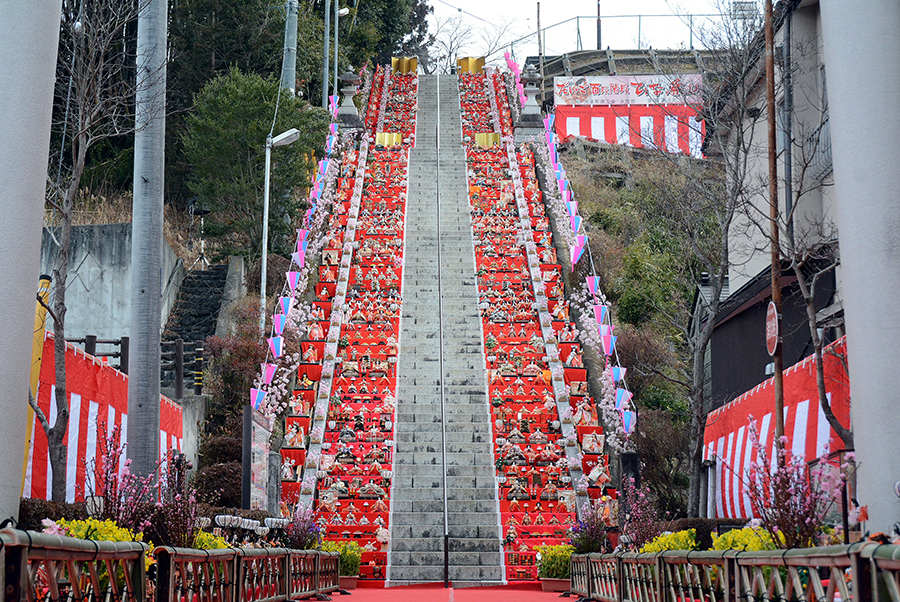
{"x":623,"y":396}
{"x":577,"y":252}
{"x":609,"y":344}
{"x":279,"y":320}
{"x":256,"y":397}
{"x":629,"y":419}
{"x":302,"y":234}
{"x":276,"y":346}
{"x":599,"y":312}
{"x":268,"y":372}
{"x":576,"y":222}
{"x":617,"y":373}
{"x":293,"y":278}
{"x":299,"y":258}
{"x":606,"y":330}
{"x":285,"y":303}
{"x":572,"y":208}
{"x":593,"y":283}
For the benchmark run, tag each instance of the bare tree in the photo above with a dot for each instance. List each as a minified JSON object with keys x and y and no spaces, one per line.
{"x":456,"y":37}
{"x":808,"y":237}
{"x":95,"y":88}
{"x":701,"y":202}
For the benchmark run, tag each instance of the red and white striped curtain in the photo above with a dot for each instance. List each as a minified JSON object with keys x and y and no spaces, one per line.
{"x":98,"y":402}
{"x":673,"y":128}
{"x":727,"y":436}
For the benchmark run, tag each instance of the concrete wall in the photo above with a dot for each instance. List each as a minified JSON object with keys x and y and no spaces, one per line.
{"x":99,"y":283}
{"x":235,"y":290}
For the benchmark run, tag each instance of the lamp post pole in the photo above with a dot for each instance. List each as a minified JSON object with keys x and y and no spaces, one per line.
{"x":265,"y":241}
{"x":335,"y":65}
{"x":325,"y":72}
{"x":281,"y":139}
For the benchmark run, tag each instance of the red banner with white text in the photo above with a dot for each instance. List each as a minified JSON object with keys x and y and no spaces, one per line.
{"x":727,"y":436}
{"x":98,"y":402}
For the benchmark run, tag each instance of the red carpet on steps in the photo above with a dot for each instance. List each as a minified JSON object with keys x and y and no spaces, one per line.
{"x":437,"y":593}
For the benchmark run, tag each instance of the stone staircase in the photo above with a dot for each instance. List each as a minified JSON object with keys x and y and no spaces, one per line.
{"x":417,"y":508}
{"x":196,"y":310}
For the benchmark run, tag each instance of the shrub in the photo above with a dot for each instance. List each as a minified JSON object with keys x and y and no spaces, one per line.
{"x":303,"y":532}
{"x":753,"y":539}
{"x":705,"y":528}
{"x":589,"y":533}
{"x":219,"y":450}
{"x":680,"y":540}
{"x":33,"y":511}
{"x":220,"y":484}
{"x":208,"y":541}
{"x":554,"y":561}
{"x":351,"y":556}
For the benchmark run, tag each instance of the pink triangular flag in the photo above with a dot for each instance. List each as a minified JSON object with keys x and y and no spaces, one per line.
{"x":279,"y":320}
{"x":623,"y":396}
{"x":268,"y":372}
{"x":576,"y":222}
{"x":286,"y":304}
{"x":600,"y":313}
{"x":593,"y":283}
{"x":629,"y":420}
{"x":617,"y":373}
{"x":299,"y":258}
{"x":609,"y":344}
{"x":292,"y":279}
{"x":276,"y":346}
{"x":256,"y":397}
{"x":577,"y":252}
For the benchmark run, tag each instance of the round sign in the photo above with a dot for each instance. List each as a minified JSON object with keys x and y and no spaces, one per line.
{"x":771,"y":328}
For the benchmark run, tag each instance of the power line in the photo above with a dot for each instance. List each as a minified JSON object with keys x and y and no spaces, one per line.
{"x":470,"y":14}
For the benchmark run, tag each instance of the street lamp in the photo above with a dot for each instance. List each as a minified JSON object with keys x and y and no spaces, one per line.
{"x":326,"y":73}
{"x":337,"y":15}
{"x":282,"y":139}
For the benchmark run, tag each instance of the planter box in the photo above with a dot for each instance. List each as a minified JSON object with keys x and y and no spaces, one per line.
{"x":555,"y":585}
{"x":350,"y":582}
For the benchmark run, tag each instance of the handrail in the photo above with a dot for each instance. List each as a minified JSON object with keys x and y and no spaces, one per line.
{"x":37,"y":565}
{"x":437,"y":171}
{"x":238,"y":574}
{"x":822,"y":573}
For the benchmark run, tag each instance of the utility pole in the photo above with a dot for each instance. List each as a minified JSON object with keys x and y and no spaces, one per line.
{"x":540,"y":52}
{"x":777,"y":357}
{"x":599,"y":36}
{"x":146,"y":238}
{"x":289,"y":64}
{"x":325,"y":54}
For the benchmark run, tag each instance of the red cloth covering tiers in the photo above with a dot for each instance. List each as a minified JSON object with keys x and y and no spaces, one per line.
{"x":808,"y":433}
{"x":98,"y":401}
{"x":536,"y":496}
{"x":355,"y":468}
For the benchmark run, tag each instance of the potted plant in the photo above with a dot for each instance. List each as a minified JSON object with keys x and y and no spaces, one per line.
{"x":554,"y":567}
{"x":351,"y":558}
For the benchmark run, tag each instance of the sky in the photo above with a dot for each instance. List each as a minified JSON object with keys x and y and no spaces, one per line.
{"x":662,"y":24}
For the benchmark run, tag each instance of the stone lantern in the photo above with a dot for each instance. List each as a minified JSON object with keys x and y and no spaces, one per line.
{"x":530,"y":122}
{"x":530,"y":80}
{"x":347,"y":115}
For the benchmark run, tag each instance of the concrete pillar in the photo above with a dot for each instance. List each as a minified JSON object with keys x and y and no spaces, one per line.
{"x":861,"y":48}
{"x":146,"y":244}
{"x":28,"y":52}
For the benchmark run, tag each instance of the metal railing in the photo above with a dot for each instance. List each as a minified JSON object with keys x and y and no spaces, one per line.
{"x":239,"y":574}
{"x":39,"y":566}
{"x":178,"y":362}
{"x":861,"y":572}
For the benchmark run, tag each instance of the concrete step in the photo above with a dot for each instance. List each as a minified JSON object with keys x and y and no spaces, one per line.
{"x":418,"y":482}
